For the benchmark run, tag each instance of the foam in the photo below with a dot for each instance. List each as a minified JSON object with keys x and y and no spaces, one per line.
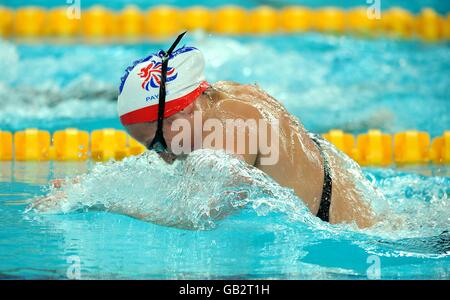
{"x":200,"y":191}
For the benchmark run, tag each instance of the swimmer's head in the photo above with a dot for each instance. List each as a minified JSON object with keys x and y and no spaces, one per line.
{"x":144,"y":132}
{"x":139,"y":91}
{"x":139,"y":88}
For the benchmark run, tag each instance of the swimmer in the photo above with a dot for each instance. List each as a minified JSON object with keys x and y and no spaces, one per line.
{"x":168,"y":88}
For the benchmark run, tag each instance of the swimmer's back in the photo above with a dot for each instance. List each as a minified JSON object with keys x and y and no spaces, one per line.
{"x":300,"y":165}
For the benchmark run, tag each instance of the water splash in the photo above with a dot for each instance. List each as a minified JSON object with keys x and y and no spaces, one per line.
{"x":419,"y":205}
{"x":207,"y":186}
{"x":196,"y":192}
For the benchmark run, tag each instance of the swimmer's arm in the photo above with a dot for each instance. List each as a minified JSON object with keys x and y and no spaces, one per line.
{"x":235,"y":199}
{"x":56,"y":201}
{"x":58,"y":183}
{"x":51,"y":201}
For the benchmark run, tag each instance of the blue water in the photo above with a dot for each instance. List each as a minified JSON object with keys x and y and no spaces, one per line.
{"x":271,"y":238}
{"x":326,"y":81}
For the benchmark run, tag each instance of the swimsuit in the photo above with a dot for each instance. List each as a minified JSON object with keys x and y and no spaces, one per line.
{"x":325,"y":201}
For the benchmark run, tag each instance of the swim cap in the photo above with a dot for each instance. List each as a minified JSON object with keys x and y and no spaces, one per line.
{"x":139,"y":88}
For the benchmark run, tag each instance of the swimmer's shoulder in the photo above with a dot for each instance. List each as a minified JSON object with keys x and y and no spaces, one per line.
{"x":225,"y":83}
{"x":238,"y":109}
{"x":229,"y":96}
{"x":233,"y":88}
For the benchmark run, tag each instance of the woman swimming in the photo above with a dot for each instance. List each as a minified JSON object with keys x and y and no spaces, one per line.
{"x":166,"y":104}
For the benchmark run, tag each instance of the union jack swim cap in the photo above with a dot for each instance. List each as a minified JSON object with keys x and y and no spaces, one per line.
{"x":139,"y":88}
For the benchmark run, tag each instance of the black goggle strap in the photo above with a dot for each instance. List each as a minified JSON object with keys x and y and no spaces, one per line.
{"x":159,"y":136}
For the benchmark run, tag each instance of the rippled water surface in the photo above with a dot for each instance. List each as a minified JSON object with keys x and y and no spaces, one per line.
{"x":273,"y":236}
{"x":327,"y":81}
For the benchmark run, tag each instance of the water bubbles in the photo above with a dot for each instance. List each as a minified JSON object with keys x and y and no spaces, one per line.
{"x":409,"y":192}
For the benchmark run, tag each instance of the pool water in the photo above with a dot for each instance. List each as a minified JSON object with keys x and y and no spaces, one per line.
{"x":271,"y":238}
{"x":326,"y":81}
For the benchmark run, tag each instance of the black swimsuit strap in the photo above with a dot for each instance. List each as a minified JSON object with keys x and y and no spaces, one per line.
{"x":325,"y":201}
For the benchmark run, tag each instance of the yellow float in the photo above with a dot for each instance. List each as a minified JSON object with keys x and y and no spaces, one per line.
{"x":197,"y":18}
{"x":6,"y":21}
{"x":166,"y":21}
{"x":29,"y":22}
{"x":440,"y":149}
{"x":230,"y":20}
{"x":295,"y":19}
{"x":374,"y":148}
{"x":398,"y":22}
{"x":411,"y":147}
{"x":71,"y":144}
{"x":31,"y":144}
{"x":343,"y":141}
{"x":5,"y":145}
{"x":162,"y":22}
{"x":98,"y":22}
{"x":428,"y":25}
{"x":264,"y":20}
{"x":130,"y":22}
{"x":60,"y":23}
{"x":108,"y":144}
{"x":358,"y":22}
{"x":134,"y":147}
{"x":329,"y":19}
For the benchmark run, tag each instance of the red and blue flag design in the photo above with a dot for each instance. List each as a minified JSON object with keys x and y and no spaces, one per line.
{"x":152,"y":75}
